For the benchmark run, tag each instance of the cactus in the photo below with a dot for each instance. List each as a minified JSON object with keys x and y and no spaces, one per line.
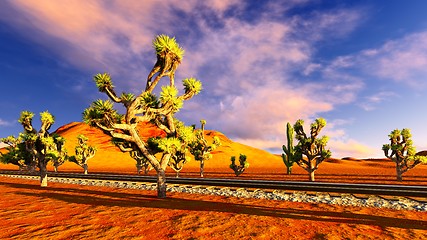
{"x":290,"y":156}
{"x":239,"y":169}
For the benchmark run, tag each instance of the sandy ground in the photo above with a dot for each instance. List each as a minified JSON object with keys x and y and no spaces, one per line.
{"x":64,"y":211}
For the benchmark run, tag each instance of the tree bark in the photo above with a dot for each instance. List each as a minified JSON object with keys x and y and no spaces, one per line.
{"x":55,"y":168}
{"x":43,"y":175}
{"x":311,"y":176}
{"x":202,"y":166}
{"x":398,"y":173}
{"x":85,"y":167}
{"x":289,"y":170}
{"x":161,"y":184}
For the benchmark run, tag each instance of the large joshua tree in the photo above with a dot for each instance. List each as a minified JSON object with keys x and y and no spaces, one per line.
{"x":147,"y":107}
{"x":402,"y":152}
{"x":312,"y":147}
{"x":83,"y":152}
{"x":201,"y":149}
{"x":36,"y":148}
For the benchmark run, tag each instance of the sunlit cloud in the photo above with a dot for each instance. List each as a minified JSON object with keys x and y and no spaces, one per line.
{"x":250,"y":69}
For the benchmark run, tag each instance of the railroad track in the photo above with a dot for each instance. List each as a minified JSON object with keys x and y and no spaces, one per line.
{"x":365,"y":189}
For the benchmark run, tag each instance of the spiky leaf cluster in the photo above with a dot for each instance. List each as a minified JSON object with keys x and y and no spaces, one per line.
{"x":101,"y":112}
{"x":168,"y":96}
{"x":192,"y":86}
{"x":103,"y":82}
{"x":164,"y":43}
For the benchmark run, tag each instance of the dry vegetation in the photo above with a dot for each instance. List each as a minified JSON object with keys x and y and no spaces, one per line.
{"x":64,"y":211}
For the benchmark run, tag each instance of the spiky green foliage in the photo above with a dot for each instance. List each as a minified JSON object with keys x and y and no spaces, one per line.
{"x":35,"y":149}
{"x":312,"y":147}
{"x":402,"y":152}
{"x":168,"y":97}
{"x":164,"y":43}
{"x":101,"y":113}
{"x":83,"y":152}
{"x":147,"y":107}
{"x":201,"y":149}
{"x":103,"y":82}
{"x":16,"y":153}
{"x":243,"y":164}
{"x":192,"y":85}
{"x":290,"y":155}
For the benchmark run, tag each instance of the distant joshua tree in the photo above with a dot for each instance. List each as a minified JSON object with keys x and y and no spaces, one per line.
{"x":402,"y":152}
{"x":142,"y":162}
{"x":290,"y":155}
{"x":83,"y":153}
{"x":35,"y":148}
{"x":200,"y":148}
{"x":243,"y":164}
{"x":147,"y":107}
{"x":312,"y":147}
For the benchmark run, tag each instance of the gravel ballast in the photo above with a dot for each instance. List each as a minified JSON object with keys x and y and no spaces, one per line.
{"x":399,"y":203}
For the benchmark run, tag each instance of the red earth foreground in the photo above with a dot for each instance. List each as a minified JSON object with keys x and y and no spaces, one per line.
{"x":65,"y":211}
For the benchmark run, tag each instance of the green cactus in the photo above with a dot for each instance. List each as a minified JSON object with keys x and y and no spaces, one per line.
{"x":290,"y":156}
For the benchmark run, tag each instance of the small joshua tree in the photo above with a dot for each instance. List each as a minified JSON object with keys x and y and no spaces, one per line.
{"x":141,"y":162}
{"x":402,"y":152}
{"x":290,"y":155}
{"x":36,"y":148}
{"x":147,"y":107}
{"x":312,"y":147}
{"x":239,"y":169}
{"x":200,"y":148}
{"x":180,"y":158}
{"x":83,"y":153}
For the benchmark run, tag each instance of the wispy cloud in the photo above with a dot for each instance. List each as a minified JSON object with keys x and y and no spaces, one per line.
{"x":4,"y":123}
{"x":370,"y":102}
{"x":401,"y":60}
{"x":250,"y":69}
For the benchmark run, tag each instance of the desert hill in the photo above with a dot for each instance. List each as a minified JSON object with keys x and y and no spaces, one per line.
{"x":262,"y":163}
{"x":109,"y":157}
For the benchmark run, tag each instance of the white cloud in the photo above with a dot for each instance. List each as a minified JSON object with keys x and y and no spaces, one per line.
{"x":401,"y":60}
{"x":247,"y":67}
{"x":4,"y":123}
{"x":370,"y":103}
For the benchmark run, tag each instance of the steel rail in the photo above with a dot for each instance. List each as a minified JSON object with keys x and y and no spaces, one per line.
{"x":350,"y":188}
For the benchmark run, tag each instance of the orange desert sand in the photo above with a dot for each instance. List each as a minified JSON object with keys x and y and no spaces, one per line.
{"x":65,"y":211}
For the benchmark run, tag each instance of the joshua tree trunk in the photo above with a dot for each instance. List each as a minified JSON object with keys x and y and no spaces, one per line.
{"x":202,"y":166}
{"x":138,"y":168}
{"x":43,"y":175}
{"x":289,"y":170}
{"x":161,"y":184}
{"x":311,"y":176}
{"x":398,"y":173}
{"x":85,"y":167}
{"x":177,"y":174}
{"x":55,"y":168}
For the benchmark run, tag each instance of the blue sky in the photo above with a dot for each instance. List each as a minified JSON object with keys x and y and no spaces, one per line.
{"x":362,"y":65}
